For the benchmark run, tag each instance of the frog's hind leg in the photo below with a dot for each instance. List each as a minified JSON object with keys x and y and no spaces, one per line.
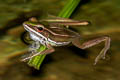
{"x":65,"y":22}
{"x":93,"y":42}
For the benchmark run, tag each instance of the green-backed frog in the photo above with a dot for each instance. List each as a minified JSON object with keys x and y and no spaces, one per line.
{"x":55,"y":32}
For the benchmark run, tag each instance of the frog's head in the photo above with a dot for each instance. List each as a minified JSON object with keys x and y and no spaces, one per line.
{"x":36,"y":28}
{"x":29,"y":26}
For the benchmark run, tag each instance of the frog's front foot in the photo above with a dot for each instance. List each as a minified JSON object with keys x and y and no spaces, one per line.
{"x":34,"y":46}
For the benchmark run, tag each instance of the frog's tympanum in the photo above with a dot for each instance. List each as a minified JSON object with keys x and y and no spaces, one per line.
{"x":55,"y":32}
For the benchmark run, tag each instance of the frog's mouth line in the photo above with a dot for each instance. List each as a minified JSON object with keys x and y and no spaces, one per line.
{"x":31,"y":30}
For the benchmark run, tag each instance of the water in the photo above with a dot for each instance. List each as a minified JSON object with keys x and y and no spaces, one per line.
{"x":67,"y":63}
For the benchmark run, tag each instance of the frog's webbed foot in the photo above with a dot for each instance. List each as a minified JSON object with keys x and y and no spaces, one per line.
{"x":101,"y":55}
{"x":93,"y":42}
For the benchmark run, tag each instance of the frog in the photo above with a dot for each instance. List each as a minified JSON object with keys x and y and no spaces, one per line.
{"x":55,"y":32}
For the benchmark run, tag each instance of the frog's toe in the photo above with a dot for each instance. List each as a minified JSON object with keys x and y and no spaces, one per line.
{"x":100,"y":56}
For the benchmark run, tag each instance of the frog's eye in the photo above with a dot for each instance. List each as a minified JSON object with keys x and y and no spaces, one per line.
{"x":39,"y":29}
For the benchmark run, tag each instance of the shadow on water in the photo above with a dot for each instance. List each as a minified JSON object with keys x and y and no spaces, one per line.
{"x":80,"y":52}
{"x":34,"y":72}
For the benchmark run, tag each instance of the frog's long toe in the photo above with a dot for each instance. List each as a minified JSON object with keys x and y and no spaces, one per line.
{"x":100,"y":56}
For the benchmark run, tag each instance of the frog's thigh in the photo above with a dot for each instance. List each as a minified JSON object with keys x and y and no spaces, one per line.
{"x":93,"y":42}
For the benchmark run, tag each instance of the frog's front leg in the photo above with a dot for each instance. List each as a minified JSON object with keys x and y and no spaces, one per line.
{"x":34,"y":46}
{"x":93,"y":42}
{"x":31,"y":51}
{"x":49,"y":50}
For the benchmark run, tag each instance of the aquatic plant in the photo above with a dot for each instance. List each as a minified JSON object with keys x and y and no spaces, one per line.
{"x":65,"y":13}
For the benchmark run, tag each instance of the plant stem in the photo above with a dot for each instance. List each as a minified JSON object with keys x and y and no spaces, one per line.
{"x":65,"y":13}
